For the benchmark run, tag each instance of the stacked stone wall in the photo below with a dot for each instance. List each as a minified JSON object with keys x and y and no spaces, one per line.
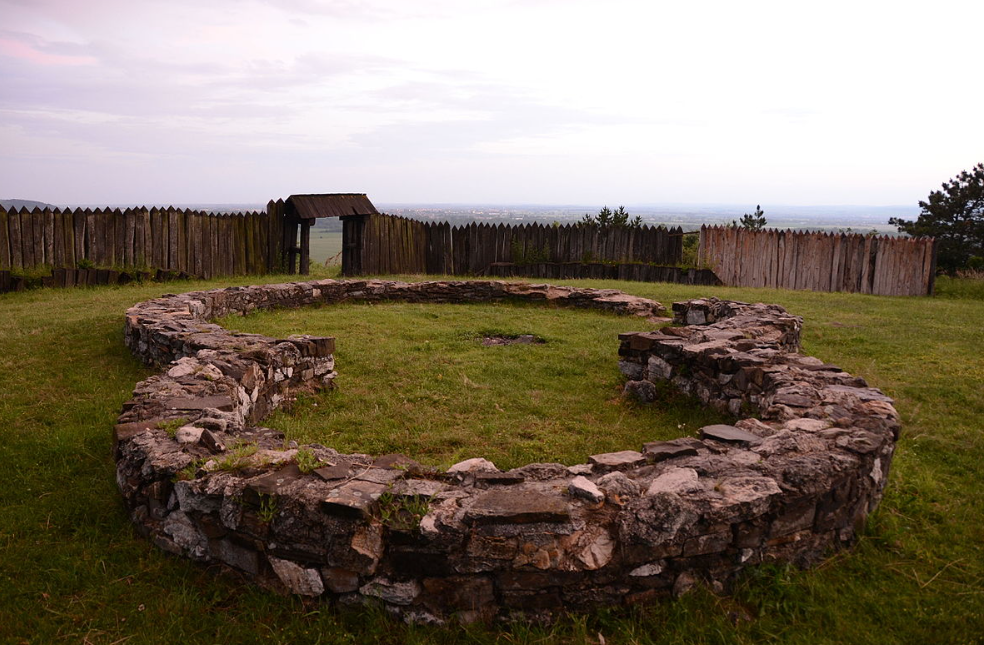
{"x":203,"y":480}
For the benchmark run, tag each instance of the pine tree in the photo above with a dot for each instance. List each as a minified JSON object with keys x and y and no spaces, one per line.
{"x":955,"y":217}
{"x":753,"y":222}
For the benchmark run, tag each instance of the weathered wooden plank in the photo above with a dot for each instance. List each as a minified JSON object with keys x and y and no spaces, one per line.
{"x":129,"y":221}
{"x":884,"y":273}
{"x":835,"y":262}
{"x":119,"y":242}
{"x":109,"y":218}
{"x":57,"y":239}
{"x":5,"y":261}
{"x":156,"y":230}
{"x":305,"y":246}
{"x":47,"y":245}
{"x":917,"y":286}
{"x":867,"y":269}
{"x":248,"y":226}
{"x":208,"y":246}
{"x":224,"y":264}
{"x":26,"y":237}
{"x":142,"y":239}
{"x":105,"y":238}
{"x":204,"y":261}
{"x":173,"y":239}
{"x":217,"y":232}
{"x":229,"y":239}
{"x":905,"y":265}
{"x":92,"y":237}
{"x":257,"y":224}
{"x":68,"y":239}
{"x":262,"y":243}
{"x":190,"y":244}
{"x":248,"y":243}
{"x":37,"y":236}
{"x":78,"y":237}
{"x":239,"y":246}
{"x":886,"y":278}
{"x":908,"y":269}
{"x":275,"y":211}
{"x":789,"y":275}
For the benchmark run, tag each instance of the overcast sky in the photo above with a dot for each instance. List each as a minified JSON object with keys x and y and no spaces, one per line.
{"x":497,"y":101}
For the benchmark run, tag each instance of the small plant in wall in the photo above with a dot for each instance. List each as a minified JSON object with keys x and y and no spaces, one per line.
{"x":237,"y":458}
{"x":171,"y":425}
{"x":306,"y":460}
{"x":189,"y":472}
{"x":402,"y":513}
{"x":268,"y":508}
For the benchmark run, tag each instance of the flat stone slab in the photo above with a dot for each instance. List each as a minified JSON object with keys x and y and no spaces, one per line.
{"x":341,"y":470}
{"x":662,"y":450}
{"x":586,"y":489}
{"x":219,"y":402}
{"x":517,"y":507}
{"x":125,"y":431}
{"x":620,"y":460}
{"x":381,"y":475}
{"x":498,"y":479}
{"x":794,"y":400}
{"x":675,"y":480}
{"x":275,"y":482}
{"x":475,"y":464}
{"x":729,"y":434}
{"x":353,"y":498}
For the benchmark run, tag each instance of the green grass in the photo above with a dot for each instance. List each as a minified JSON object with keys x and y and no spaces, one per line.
{"x":416,"y":379}
{"x":72,"y":569}
{"x":325,"y":247}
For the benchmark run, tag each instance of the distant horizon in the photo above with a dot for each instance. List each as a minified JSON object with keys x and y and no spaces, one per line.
{"x":486,"y":204}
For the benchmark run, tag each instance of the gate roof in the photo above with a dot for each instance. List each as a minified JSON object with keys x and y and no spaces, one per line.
{"x":329,"y":205}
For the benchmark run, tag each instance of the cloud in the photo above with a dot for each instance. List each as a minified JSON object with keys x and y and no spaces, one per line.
{"x":34,"y":51}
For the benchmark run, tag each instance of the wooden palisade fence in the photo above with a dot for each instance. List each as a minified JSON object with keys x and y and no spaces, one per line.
{"x":206,"y":245}
{"x":881,"y":265}
{"x":193,"y":243}
{"x":377,"y":244}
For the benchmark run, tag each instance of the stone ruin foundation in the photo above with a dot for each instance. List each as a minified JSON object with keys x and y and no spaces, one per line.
{"x":792,"y":479}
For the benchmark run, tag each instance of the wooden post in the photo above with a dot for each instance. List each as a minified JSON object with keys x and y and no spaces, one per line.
{"x":353,"y":244}
{"x":305,"y":246}
{"x":4,"y":241}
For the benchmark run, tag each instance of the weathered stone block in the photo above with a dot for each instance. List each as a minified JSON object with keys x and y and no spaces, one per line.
{"x":586,"y":489}
{"x":729,"y":434}
{"x":353,"y":499}
{"x":621,"y":460}
{"x":516,"y":507}
{"x":675,"y":480}
{"x":298,"y":580}
{"x":658,"y":451}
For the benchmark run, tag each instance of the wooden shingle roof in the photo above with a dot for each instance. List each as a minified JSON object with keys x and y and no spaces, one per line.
{"x":329,"y":205}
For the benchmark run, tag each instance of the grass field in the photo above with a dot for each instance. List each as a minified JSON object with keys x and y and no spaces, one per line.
{"x":325,"y":247}
{"x":72,"y":570}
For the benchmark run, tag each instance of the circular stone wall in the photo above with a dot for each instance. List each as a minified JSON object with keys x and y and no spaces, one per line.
{"x":202,"y":480}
